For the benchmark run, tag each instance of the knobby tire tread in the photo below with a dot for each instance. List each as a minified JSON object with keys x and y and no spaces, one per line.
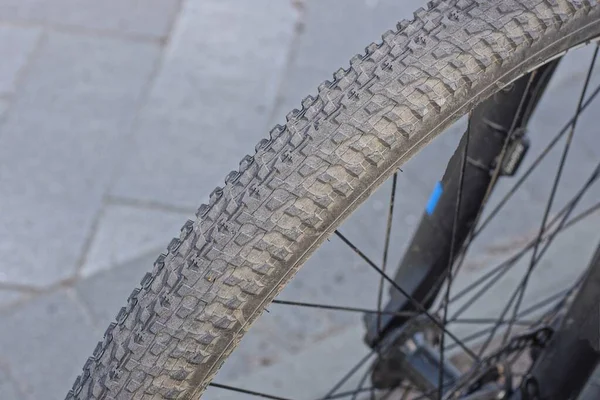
{"x":190,"y":312}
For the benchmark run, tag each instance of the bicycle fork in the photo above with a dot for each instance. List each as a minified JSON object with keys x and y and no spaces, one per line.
{"x":496,"y":146}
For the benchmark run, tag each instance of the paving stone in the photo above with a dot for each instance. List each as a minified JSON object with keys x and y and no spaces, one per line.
{"x":8,"y":297}
{"x":106,"y":292}
{"x":60,"y":145}
{"x":3,"y":107}
{"x":210,"y":103}
{"x":45,"y":342}
{"x":8,"y":389}
{"x":150,"y":17}
{"x":16,"y":46}
{"x":126,"y":232}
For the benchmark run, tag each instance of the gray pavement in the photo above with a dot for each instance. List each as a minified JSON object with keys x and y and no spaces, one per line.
{"x":119,"y":117}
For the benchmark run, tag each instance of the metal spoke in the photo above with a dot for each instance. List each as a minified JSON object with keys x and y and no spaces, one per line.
{"x":245,"y":391}
{"x":570,"y":223}
{"x":510,"y":193}
{"x":568,"y":212}
{"x":564,"y":294}
{"x":535,"y":163}
{"x":474,"y":231}
{"x":498,"y":324}
{"x":362,"y":390}
{"x":521,"y":286}
{"x":595,"y":208}
{"x":414,"y":302}
{"x":503,"y":152}
{"x":532,"y":167}
{"x":527,"y":173}
{"x":354,"y":369}
{"x":388,"y":394}
{"x":582,"y":215}
{"x":407,"y":391}
{"x":461,"y":179}
{"x":427,"y":395}
{"x":405,"y":395}
{"x":344,"y":308}
{"x":467,"y":339}
{"x":550,"y":201}
{"x":330,"y":394}
{"x":386,"y":248}
{"x":349,"y":374}
{"x":350,"y":393}
{"x":533,"y":308}
{"x":480,"y":321}
{"x":500,"y":270}
{"x":496,"y":173}
{"x":361,"y":383}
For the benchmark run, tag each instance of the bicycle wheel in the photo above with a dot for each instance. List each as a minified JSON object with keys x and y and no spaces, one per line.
{"x":286,"y":200}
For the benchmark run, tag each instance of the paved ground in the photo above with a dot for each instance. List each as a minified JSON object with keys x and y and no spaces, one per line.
{"x":118,"y":117}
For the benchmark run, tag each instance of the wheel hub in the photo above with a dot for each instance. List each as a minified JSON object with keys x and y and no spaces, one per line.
{"x":410,"y":353}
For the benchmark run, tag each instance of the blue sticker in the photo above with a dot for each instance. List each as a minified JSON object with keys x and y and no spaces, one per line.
{"x":434,"y":198}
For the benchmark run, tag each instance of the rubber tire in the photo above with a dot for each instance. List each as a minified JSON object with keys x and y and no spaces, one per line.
{"x":283,"y":202}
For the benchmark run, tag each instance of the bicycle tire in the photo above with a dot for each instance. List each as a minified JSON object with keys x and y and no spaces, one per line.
{"x":282,"y":203}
